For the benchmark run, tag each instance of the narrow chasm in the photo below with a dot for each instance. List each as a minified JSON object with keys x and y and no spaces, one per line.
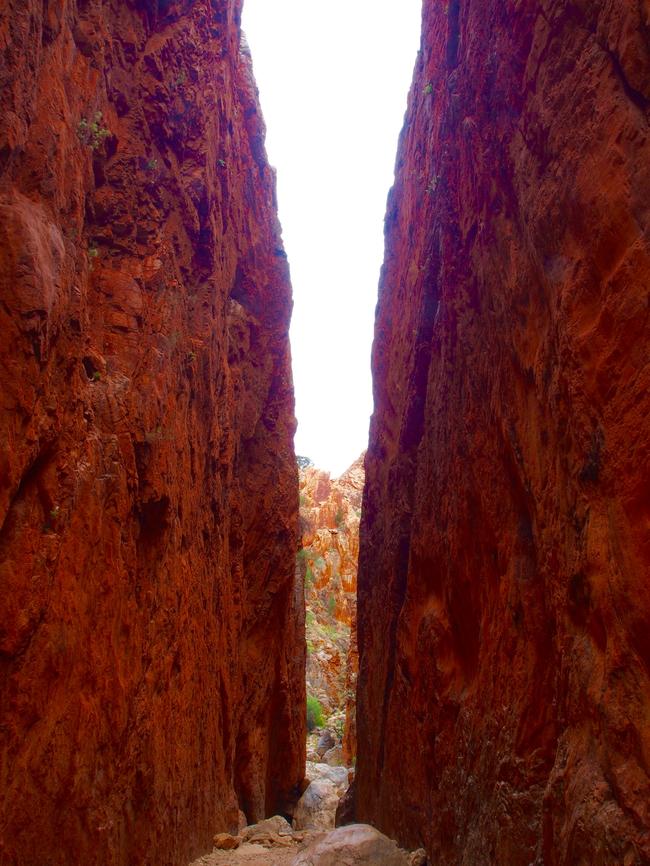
{"x":215,"y":652}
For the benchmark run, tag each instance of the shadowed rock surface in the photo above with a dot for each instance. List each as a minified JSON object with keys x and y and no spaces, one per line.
{"x":504,"y":693}
{"x":151,"y":640}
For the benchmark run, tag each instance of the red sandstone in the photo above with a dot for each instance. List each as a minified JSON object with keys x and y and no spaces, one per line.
{"x":151,"y":639}
{"x":504,"y":604}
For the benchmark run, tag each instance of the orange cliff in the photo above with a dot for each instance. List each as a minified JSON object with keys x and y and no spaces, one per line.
{"x":504,"y":604}
{"x":151,"y":635}
{"x":330,"y":511}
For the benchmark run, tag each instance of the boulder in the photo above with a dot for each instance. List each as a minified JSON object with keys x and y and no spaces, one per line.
{"x":334,"y":756}
{"x":317,"y":806}
{"x":325,"y":742}
{"x":337,"y":775}
{"x":275,"y":826}
{"x":226,"y":842}
{"x":355,"y":845}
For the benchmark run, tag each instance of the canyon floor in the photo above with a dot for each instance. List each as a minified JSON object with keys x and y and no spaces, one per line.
{"x":248,"y":853}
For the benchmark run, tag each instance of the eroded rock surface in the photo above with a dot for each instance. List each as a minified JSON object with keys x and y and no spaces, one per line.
{"x":356,"y":845}
{"x":504,"y":690}
{"x":330,"y":511}
{"x":151,"y":640}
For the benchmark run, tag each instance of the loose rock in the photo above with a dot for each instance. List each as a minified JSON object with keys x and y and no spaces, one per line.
{"x":334,"y":756}
{"x":355,"y":845}
{"x":317,"y":806}
{"x":325,"y":742}
{"x":226,"y":842}
{"x":337,"y":775}
{"x":275,"y":826}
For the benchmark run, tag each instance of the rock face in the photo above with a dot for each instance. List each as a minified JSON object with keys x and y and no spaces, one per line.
{"x":151,"y":634}
{"x":330,"y":511}
{"x":504,"y":691}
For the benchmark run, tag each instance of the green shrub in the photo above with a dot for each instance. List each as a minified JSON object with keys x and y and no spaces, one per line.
{"x":315,"y":717}
{"x":92,"y":132}
{"x":331,"y":605}
{"x":309,"y":577}
{"x":309,"y":617}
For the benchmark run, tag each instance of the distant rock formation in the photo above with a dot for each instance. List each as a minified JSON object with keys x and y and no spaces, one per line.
{"x":151,"y":636}
{"x":330,"y":510}
{"x":504,"y":604}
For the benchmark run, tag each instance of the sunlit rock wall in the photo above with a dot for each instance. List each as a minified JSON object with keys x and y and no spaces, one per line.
{"x":330,"y":511}
{"x":151,"y":637}
{"x":504,"y":604}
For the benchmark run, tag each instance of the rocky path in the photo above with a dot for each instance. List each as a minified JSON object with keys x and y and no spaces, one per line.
{"x":311,"y":840}
{"x":248,"y":854}
{"x":353,"y":845}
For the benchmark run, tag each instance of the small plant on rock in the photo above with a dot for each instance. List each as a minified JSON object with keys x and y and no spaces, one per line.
{"x":92,"y":132}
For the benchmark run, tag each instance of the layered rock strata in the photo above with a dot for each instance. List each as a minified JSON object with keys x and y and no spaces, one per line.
{"x":504,"y":685}
{"x":330,"y":511}
{"x":151,"y":633}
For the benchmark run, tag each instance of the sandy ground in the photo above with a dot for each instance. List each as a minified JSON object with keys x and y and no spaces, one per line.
{"x":249,"y":854}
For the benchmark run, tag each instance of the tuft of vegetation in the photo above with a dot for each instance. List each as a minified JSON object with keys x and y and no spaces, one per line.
{"x":338,"y":517}
{"x":427,"y":89}
{"x":303,"y":462}
{"x":151,"y":165}
{"x":315,"y":718}
{"x":92,"y":132}
{"x":309,"y":617}
{"x":433,"y":184}
{"x":96,"y":376}
{"x":179,"y":81}
{"x":331,"y":605}
{"x":309,"y":578}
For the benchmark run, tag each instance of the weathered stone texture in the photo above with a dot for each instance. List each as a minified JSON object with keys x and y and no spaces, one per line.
{"x":504,"y":604}
{"x":151,"y":638}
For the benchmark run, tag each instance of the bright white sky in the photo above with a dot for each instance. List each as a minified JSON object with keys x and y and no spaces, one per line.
{"x":333,"y":77}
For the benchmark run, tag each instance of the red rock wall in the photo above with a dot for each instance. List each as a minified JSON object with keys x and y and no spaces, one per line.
{"x":504,"y":603}
{"x":151,"y":638}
